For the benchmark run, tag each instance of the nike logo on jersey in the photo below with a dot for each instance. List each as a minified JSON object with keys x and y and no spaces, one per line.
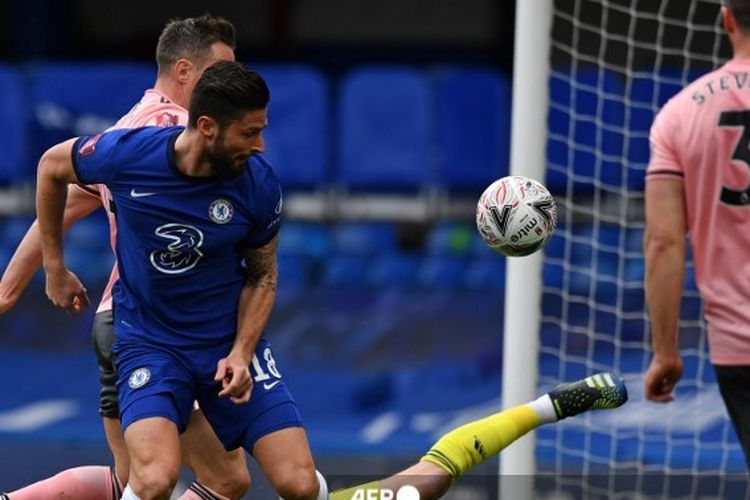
{"x":279,"y":205}
{"x":268,"y":386}
{"x":136,"y":194}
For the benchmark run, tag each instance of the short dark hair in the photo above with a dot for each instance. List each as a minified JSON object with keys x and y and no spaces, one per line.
{"x":225,"y":90}
{"x":191,"y":38}
{"x":741,"y":12}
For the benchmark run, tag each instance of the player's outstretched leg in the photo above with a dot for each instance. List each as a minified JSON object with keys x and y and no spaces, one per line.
{"x":469,"y":445}
{"x":475,"y":442}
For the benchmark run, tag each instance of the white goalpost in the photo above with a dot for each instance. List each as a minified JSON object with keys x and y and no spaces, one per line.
{"x":589,"y":77}
{"x":523,"y":275}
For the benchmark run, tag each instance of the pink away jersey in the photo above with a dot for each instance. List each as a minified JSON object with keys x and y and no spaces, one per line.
{"x":154,"y":109}
{"x":702,"y":137}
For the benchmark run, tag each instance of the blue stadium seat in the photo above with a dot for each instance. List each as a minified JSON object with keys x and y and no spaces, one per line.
{"x":691,"y":308}
{"x":609,"y":235}
{"x":304,"y":239}
{"x":73,"y":99}
{"x":450,"y":238}
{"x":298,"y":134}
{"x":15,"y":163}
{"x":14,"y":228}
{"x":90,"y":233}
{"x":635,"y":270}
{"x":480,"y":249}
{"x":353,"y":249}
{"x":6,"y":253}
{"x":555,"y":247}
{"x":633,"y":300}
{"x":12,"y":231}
{"x":88,"y":251}
{"x":586,"y":135}
{"x":364,"y":238}
{"x":634,"y":240}
{"x":345,"y":271}
{"x":608,"y":251}
{"x":634,"y":263}
{"x":552,"y":274}
{"x":649,"y":89}
{"x":656,"y":86}
{"x":384,"y":131}
{"x":393,"y":270}
{"x":486,"y":274}
{"x":442,"y":272}
{"x":294,"y":271}
{"x":91,"y":266}
{"x":689,"y":279}
{"x":595,"y":250}
{"x":473,"y":122}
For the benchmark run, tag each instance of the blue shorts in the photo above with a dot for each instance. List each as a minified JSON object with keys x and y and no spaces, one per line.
{"x":155,"y":381}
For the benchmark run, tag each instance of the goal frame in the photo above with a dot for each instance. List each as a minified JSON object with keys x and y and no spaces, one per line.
{"x":523,"y":284}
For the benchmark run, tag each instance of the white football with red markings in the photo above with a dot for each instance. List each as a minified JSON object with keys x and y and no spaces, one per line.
{"x":516,"y":216}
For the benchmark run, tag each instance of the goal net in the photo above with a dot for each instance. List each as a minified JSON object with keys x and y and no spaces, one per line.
{"x":614,"y":63}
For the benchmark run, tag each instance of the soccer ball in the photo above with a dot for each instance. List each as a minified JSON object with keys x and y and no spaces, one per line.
{"x":516,"y":216}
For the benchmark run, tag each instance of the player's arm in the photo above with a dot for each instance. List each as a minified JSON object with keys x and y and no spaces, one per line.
{"x":255,"y":304}
{"x":664,"y":249}
{"x":54,"y":173}
{"x":27,"y":258}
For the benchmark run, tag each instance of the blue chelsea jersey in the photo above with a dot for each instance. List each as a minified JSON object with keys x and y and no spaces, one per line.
{"x":180,"y":239}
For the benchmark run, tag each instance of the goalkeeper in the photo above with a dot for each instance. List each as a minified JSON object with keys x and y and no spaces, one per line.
{"x":465,"y":447}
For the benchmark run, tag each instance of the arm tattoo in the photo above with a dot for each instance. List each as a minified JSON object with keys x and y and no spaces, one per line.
{"x":261,"y":265}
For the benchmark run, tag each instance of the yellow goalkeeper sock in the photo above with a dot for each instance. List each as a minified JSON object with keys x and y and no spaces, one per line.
{"x":471,"y":444}
{"x":349,"y":493}
{"x":475,"y":442}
